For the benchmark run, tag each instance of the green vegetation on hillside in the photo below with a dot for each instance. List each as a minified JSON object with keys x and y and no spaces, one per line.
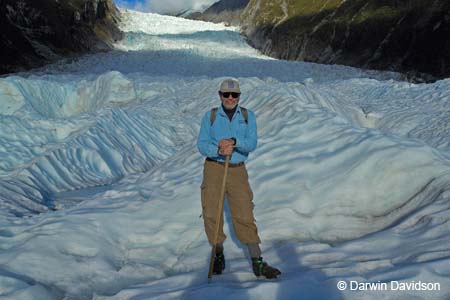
{"x":385,"y":34}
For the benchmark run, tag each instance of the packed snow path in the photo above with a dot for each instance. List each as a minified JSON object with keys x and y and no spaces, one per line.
{"x":100,"y":176}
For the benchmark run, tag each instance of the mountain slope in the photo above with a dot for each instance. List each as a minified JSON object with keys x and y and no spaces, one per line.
{"x":222,"y":11}
{"x":404,"y":36}
{"x":38,"y":32}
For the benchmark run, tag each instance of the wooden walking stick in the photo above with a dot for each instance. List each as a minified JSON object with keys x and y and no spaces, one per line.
{"x":218,"y":218}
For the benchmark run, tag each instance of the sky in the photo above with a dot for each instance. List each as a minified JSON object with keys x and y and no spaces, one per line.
{"x":165,"y":6}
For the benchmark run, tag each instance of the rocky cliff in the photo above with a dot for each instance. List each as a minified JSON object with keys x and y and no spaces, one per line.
{"x":409,"y":36}
{"x":36,"y":32}
{"x":227,"y":11}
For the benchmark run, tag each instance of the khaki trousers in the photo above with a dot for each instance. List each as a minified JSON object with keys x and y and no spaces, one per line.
{"x":240,"y":202}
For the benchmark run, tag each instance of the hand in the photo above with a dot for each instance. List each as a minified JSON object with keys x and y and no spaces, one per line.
{"x":226,"y":147}
{"x":225,"y":143}
{"x":226,"y":151}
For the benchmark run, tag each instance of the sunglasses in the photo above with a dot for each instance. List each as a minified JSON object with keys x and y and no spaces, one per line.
{"x":227,"y":94}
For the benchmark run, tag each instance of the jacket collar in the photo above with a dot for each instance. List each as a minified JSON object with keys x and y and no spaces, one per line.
{"x":221,"y":111}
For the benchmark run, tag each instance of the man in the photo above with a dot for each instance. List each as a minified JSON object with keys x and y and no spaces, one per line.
{"x":230,"y":130}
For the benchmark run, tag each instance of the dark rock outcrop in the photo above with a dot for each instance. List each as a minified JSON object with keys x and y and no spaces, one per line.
{"x":227,"y":11}
{"x":36,"y":32}
{"x":408,"y":36}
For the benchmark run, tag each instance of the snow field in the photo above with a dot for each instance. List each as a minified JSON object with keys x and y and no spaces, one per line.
{"x":109,"y":141}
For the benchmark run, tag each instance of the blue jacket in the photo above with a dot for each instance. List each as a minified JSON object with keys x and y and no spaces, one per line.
{"x":245,"y":134}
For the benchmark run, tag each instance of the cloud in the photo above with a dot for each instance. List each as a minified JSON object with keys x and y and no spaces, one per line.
{"x":172,"y":6}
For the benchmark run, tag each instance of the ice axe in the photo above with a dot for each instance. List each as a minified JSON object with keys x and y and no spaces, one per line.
{"x":218,"y":217}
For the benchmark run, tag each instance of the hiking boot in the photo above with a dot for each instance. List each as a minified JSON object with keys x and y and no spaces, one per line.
{"x":260,"y":267}
{"x":219,"y":263}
